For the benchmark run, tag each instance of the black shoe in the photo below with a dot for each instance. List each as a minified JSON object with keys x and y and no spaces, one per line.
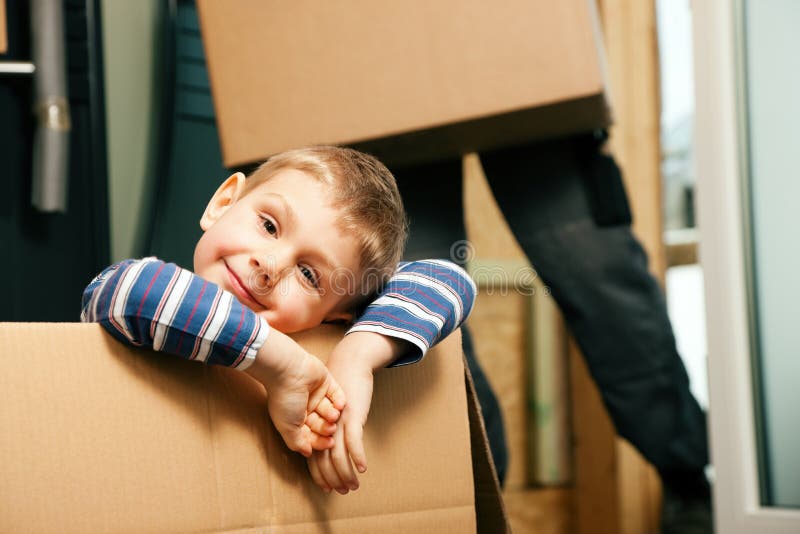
{"x":687,"y":508}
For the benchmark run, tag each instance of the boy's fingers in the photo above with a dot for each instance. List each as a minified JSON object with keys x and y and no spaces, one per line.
{"x":316,"y":476}
{"x":298,"y":439}
{"x":329,"y":472}
{"x":341,"y":462}
{"x":320,"y":426}
{"x":328,"y":388}
{"x":321,"y":443}
{"x":326,"y":409}
{"x":306,"y":436}
{"x":354,"y":440}
{"x":319,"y":392}
{"x":337,"y":396}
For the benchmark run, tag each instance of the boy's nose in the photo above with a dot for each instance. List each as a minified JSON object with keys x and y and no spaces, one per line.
{"x":262,"y":274}
{"x":267,"y":270}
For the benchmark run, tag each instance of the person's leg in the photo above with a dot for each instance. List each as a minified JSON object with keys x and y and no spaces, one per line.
{"x":432,"y":195}
{"x":553,"y":194}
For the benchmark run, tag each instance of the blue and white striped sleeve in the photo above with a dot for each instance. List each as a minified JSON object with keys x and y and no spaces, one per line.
{"x":150,"y":303}
{"x":422,"y":303}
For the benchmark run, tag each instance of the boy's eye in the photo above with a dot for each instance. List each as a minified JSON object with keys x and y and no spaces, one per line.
{"x":309,"y":275}
{"x":269,"y":226}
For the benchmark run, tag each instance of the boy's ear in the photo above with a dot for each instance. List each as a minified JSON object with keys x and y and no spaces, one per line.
{"x":227,"y":194}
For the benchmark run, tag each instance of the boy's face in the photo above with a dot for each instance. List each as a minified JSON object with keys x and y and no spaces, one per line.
{"x":275,"y":249}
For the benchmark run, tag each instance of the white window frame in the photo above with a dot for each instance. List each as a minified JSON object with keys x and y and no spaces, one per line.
{"x":721,"y":153}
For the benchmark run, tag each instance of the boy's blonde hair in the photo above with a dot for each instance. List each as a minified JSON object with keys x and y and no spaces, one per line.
{"x":366,"y":193}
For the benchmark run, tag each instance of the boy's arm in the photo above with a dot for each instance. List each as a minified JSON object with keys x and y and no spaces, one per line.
{"x":422,"y":303}
{"x":150,"y":303}
{"x":159,"y":305}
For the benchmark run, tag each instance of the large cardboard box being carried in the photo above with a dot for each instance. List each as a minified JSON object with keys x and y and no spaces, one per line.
{"x":408,"y":80}
{"x":98,"y":437}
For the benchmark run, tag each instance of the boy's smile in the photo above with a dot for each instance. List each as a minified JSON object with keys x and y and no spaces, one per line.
{"x":276,"y":248}
{"x":238,"y":288}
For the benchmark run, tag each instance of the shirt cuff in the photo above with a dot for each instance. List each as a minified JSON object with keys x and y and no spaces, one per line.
{"x":420,"y":345}
{"x":252,"y":349}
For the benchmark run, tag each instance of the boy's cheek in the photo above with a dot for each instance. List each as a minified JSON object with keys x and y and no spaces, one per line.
{"x":210,"y":274}
{"x":291,"y":315}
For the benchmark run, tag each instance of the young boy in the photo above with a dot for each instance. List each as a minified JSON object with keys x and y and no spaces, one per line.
{"x":310,"y":237}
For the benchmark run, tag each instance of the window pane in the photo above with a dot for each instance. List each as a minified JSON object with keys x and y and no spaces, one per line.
{"x":773,"y":107}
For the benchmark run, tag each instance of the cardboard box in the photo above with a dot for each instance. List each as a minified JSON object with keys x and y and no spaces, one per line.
{"x":408,"y":80}
{"x":98,"y":437}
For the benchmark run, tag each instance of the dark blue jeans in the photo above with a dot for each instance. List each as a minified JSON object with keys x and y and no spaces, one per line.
{"x":566,"y":205}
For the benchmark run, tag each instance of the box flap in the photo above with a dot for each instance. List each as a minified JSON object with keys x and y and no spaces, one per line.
{"x":96,"y":436}
{"x":489,"y":508}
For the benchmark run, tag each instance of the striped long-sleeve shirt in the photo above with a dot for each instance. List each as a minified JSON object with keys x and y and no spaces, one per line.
{"x":159,"y":305}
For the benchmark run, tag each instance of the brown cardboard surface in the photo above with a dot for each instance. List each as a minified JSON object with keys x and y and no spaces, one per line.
{"x":3,"y":29}
{"x":96,"y":436}
{"x":405,"y":79}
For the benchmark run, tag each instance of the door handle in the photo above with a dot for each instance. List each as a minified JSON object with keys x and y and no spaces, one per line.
{"x":17,"y":67}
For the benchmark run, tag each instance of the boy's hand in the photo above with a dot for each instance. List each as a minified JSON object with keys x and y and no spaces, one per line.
{"x":334,"y":468}
{"x":352,"y":363}
{"x":298,"y":385}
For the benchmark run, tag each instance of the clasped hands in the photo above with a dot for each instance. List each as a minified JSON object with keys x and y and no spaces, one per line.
{"x":321,"y":412}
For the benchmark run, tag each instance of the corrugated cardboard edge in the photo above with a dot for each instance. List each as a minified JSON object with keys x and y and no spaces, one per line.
{"x":490,"y":511}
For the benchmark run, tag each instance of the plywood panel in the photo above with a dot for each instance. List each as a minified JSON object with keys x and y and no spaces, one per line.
{"x":540,"y":511}
{"x":487,"y":229}
{"x":594,"y":441}
{"x":639,"y":489}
